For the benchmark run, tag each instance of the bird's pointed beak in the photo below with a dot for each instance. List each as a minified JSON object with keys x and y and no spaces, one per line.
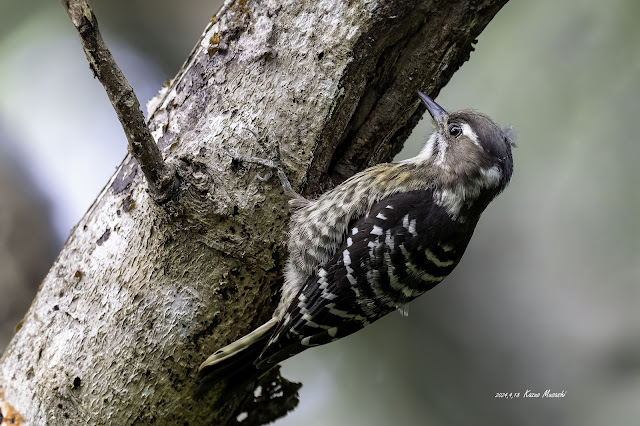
{"x":437,"y":112}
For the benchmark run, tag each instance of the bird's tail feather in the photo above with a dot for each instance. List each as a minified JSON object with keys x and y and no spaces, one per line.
{"x":237,"y":357}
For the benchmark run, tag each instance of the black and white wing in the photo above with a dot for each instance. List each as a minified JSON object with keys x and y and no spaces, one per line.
{"x":403,"y":247}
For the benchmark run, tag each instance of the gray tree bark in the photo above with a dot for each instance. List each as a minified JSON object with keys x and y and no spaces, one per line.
{"x":143,"y":291}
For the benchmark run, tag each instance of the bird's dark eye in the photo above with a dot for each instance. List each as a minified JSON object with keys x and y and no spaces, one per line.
{"x":455,"y":130}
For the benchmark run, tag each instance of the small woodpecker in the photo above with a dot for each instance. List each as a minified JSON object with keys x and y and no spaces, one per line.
{"x":379,"y":240}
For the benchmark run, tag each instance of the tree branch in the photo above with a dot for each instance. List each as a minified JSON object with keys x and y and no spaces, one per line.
{"x":160,"y":176}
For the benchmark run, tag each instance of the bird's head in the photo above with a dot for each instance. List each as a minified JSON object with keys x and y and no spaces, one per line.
{"x":469,"y":158}
{"x":467,"y":143}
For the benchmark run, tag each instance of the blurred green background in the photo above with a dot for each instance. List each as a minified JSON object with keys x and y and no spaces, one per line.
{"x":546,"y":296}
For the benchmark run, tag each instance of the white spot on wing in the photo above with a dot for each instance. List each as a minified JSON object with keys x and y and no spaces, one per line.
{"x":349,"y":242}
{"x":346,"y":256}
{"x":381,"y":216}
{"x":377,"y":230}
{"x":354,"y":231}
{"x":412,"y":228}
{"x":328,"y":295}
{"x":405,"y":221}
{"x":310,"y":323}
{"x":323,"y":283}
{"x":388,"y":240}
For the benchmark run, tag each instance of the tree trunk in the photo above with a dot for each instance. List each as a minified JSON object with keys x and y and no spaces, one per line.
{"x":143,"y":292}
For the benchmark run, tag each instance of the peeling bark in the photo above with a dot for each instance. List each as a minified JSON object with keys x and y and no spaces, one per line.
{"x":141,"y":292}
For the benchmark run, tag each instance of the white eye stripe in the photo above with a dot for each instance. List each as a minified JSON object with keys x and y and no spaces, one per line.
{"x":468,"y":132}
